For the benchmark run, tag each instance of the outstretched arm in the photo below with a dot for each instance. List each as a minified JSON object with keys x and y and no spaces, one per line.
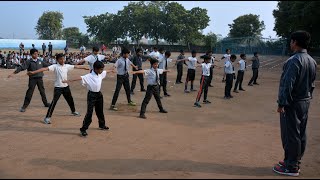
{"x":81,"y":67}
{"x":71,"y":80}
{"x":30,"y":73}
{"x":137,"y":72}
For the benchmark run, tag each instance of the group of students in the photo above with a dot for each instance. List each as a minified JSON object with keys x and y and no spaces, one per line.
{"x":156,"y":78}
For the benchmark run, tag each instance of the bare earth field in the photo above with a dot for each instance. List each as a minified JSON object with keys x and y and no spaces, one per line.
{"x":237,"y":138}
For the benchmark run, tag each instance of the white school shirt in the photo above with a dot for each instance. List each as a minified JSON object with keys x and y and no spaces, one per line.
{"x":155,"y":54}
{"x":92,"y":59}
{"x":212,"y":60}
{"x":192,"y":63}
{"x":206,"y":69}
{"x":242,"y":64}
{"x":61,"y":72}
{"x":150,"y":74}
{"x":163,"y":61}
{"x":93,"y":81}
{"x":228,"y":68}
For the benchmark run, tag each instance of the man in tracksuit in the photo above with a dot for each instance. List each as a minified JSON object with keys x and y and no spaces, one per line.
{"x":33,"y":64}
{"x":137,"y":61}
{"x":255,"y":69}
{"x":295,"y":92}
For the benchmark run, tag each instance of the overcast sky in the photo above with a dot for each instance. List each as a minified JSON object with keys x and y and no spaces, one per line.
{"x":20,"y":18}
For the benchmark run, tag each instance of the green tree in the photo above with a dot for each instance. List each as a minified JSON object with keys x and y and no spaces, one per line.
{"x":298,"y":15}
{"x":210,"y":40}
{"x":49,"y":25}
{"x":246,"y":26}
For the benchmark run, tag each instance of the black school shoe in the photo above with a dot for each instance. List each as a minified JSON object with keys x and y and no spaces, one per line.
{"x":83,"y":133}
{"x":206,"y":102}
{"x":163,"y":111}
{"x":142,"y":116}
{"x":104,"y":128}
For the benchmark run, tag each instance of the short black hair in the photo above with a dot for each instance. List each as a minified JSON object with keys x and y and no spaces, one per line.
{"x":242,"y":55}
{"x":138,"y":50}
{"x":125,"y":51}
{"x":193,"y":52}
{"x":302,"y":38}
{"x":98,"y":65}
{"x":152,"y":61}
{"x":32,"y":51}
{"x":161,"y":49}
{"x":58,"y":56}
{"x":206,"y":57}
{"x":181,"y":51}
{"x":227,"y":50}
{"x":233,"y":56}
{"x":167,"y":53}
{"x":95,"y":49}
{"x":255,"y":53}
{"x":209,"y":51}
{"x":155,"y":48}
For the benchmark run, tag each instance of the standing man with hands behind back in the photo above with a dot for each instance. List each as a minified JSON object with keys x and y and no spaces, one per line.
{"x":295,"y":91}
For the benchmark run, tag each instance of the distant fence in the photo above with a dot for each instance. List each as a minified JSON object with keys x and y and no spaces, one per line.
{"x":14,"y":43}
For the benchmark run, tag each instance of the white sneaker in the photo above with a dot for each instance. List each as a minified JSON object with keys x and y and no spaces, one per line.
{"x":47,"y":121}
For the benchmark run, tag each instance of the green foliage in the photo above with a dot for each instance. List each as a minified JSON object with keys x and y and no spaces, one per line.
{"x":298,"y":15}
{"x":49,"y":25}
{"x":246,"y":26}
{"x":210,"y":40}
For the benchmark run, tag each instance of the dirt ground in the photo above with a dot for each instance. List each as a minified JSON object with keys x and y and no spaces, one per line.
{"x":237,"y":138}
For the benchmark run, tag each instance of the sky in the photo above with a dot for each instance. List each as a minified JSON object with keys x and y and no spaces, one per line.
{"x":22,"y":16}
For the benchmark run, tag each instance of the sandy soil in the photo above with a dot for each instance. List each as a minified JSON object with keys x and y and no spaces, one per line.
{"x":237,"y":138}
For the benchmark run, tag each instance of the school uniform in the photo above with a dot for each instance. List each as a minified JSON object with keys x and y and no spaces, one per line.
{"x":180,"y":68}
{"x":205,"y":79}
{"x":137,"y":61}
{"x":94,"y":98}
{"x":191,"y":70}
{"x":240,"y":75}
{"x":153,"y":81}
{"x":61,"y":73}
{"x":163,"y":64}
{"x":50,"y":49}
{"x":228,"y":69}
{"x":92,"y":59}
{"x":122,"y":66}
{"x":34,"y":80}
{"x":211,"y":70}
{"x":255,"y":70}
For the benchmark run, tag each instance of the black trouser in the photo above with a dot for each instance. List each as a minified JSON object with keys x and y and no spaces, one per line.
{"x":239,"y":80}
{"x":134,"y":80}
{"x":65,"y":91}
{"x":211,"y":75}
{"x":204,"y":85}
{"x":32,"y":84}
{"x":151,"y":90}
{"x":121,"y":80}
{"x":254,"y":78}
{"x":43,"y":51}
{"x":228,"y":87}
{"x":50,"y":52}
{"x":293,"y":123}
{"x":163,"y":82}
{"x":179,"y":73}
{"x":94,"y":100}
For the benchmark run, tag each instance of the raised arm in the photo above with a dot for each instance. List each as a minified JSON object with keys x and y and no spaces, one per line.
{"x":71,"y":80}
{"x":23,"y":67}
{"x":137,"y":72}
{"x":81,"y":67}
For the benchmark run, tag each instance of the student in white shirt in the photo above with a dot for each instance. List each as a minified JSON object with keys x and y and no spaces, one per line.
{"x":93,"y":57}
{"x":226,"y":57}
{"x":192,"y":64}
{"x":93,"y":82}
{"x":242,"y":68}
{"x":153,"y":80}
{"x":61,"y":72}
{"x":205,"y":79}
{"x":155,"y":53}
{"x":228,"y":69}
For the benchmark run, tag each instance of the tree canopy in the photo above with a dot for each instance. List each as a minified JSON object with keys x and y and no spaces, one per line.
{"x":49,"y":25}
{"x":247,"y":25}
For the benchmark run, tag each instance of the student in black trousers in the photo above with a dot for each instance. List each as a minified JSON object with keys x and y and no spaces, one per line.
{"x":61,"y":72}
{"x":33,"y":64}
{"x":242,"y":68}
{"x":295,"y":91}
{"x":93,"y":82}
{"x":122,"y":66}
{"x":137,"y":61}
{"x":229,"y":76}
{"x":255,"y":69}
{"x":153,"y":81}
{"x":180,"y":67}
